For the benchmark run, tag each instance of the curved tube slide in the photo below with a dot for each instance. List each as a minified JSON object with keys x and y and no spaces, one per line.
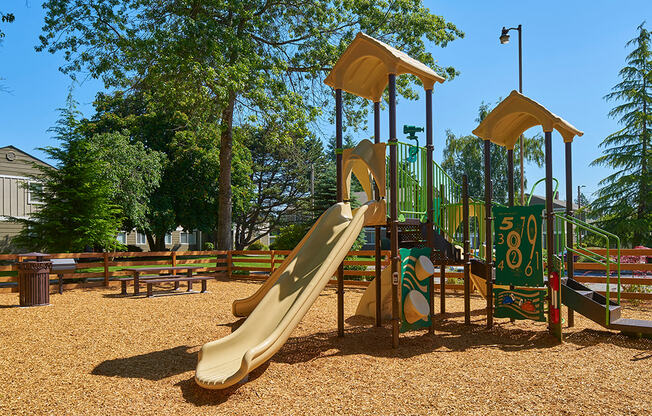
{"x":280,"y":306}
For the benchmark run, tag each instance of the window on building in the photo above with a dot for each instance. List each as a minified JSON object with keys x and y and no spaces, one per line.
{"x":141,"y":239}
{"x":188,"y":237}
{"x":168,"y":238}
{"x":122,"y":237}
{"x":34,"y":190}
{"x":370,"y":235}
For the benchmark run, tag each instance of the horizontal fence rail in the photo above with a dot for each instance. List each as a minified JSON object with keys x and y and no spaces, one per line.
{"x":101,"y":269}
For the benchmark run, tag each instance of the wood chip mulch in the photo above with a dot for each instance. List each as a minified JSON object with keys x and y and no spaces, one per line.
{"x":96,"y":352}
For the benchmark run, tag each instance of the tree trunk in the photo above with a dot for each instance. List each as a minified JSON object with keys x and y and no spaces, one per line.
{"x":155,"y":242}
{"x":639,"y":234}
{"x":224,"y":197}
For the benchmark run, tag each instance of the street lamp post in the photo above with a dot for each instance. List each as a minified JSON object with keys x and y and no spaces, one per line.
{"x":579,"y":206}
{"x":504,"y":38}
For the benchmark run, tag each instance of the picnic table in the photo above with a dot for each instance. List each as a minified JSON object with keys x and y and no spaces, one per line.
{"x":150,"y":279}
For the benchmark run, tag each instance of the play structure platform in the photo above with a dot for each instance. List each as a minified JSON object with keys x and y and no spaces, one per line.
{"x":428,"y":219}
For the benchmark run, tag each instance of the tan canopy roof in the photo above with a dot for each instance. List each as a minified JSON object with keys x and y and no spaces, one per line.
{"x":517,"y":113}
{"x":364,"y":67}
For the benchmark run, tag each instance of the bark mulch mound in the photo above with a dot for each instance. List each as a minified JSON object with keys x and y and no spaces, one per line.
{"x":95,"y":352}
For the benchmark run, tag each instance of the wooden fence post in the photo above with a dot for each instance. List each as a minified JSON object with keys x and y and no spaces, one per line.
{"x":271,"y":266}
{"x":174,"y":259}
{"x":228,"y":264}
{"x":106,"y":268}
{"x":15,"y":267}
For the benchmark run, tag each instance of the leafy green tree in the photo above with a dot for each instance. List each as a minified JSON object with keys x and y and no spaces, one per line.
{"x":625,"y":197}
{"x":281,"y":168}
{"x":188,"y":190}
{"x":464,"y":155}
{"x":79,"y":211}
{"x":228,"y":61}
{"x":134,"y":171}
{"x":6,"y":18}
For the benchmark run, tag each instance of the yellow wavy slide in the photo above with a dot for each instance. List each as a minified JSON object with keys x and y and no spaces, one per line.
{"x":277,"y":308}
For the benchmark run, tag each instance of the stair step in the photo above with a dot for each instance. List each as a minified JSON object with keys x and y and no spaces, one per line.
{"x":585,"y":292}
{"x":636,"y":326}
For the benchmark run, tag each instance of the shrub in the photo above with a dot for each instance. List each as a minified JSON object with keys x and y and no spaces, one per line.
{"x":132,"y":247}
{"x":289,"y":236}
{"x":209,"y":246}
{"x":257,"y":245}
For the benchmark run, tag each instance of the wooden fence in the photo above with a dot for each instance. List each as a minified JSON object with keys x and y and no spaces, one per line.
{"x":634,"y":266}
{"x":99,"y":269}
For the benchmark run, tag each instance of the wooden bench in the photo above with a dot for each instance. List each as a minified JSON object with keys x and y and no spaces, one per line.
{"x":203,"y":279}
{"x":171,"y":277}
{"x":137,"y":272}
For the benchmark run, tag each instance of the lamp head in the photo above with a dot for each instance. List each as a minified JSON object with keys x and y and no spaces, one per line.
{"x":504,"y":36}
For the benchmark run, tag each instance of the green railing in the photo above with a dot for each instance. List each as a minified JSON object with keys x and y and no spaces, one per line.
{"x":561,"y":219}
{"x":412,"y":179}
{"x":451,"y":219}
{"x":447,"y":197}
{"x":412,"y":201}
{"x":529,"y":198}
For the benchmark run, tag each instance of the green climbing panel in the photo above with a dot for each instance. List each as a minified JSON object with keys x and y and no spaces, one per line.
{"x":519,"y":256}
{"x":415,"y":309}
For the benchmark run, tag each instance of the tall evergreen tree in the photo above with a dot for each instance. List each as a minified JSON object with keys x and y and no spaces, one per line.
{"x":623,"y":202}
{"x":78,"y":210}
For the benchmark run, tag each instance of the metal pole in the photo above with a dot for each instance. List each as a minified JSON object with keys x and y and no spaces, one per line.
{"x":569,"y":227}
{"x":488,"y":240}
{"x":520,"y":89}
{"x":550,"y":241}
{"x":393,"y":183}
{"x":467,"y":251}
{"x":312,"y":189}
{"x":338,"y":161}
{"x":579,"y":213}
{"x":510,"y":190}
{"x":443,"y":258}
{"x":379,"y":285}
{"x":430,"y":237}
{"x":510,"y":177}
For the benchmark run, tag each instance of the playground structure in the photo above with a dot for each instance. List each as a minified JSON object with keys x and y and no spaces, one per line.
{"x":422,"y":207}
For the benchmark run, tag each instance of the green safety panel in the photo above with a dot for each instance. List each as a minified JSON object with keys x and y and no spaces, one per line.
{"x":415,"y":309}
{"x":520,"y":304}
{"x":517,"y":239}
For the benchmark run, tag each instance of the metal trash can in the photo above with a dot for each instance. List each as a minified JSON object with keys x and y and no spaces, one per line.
{"x":34,"y":280}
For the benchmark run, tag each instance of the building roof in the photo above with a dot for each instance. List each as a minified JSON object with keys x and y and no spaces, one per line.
{"x":364,"y":67}
{"x":517,"y":113}
{"x":541,"y":200}
{"x":28,"y":154}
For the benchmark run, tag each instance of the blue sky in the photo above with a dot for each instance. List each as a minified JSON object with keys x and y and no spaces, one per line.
{"x":572,"y":52}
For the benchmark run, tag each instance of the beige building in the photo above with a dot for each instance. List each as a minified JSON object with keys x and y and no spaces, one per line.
{"x":16,"y":167}
{"x":177,"y":240}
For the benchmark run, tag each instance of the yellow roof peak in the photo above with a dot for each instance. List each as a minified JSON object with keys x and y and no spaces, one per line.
{"x":517,"y":113}
{"x":364,"y":67}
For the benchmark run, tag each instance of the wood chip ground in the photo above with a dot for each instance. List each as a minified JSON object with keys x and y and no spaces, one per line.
{"x":95,"y":352}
